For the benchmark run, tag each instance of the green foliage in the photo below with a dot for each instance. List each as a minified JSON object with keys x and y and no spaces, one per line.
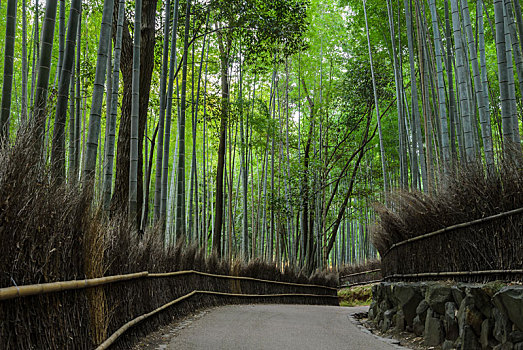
{"x":355,"y":296}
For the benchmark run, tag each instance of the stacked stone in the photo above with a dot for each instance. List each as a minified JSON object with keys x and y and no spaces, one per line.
{"x":454,"y":315}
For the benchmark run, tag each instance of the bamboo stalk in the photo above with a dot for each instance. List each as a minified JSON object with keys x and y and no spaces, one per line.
{"x":360,"y":273}
{"x":109,"y":341}
{"x":38,"y":289}
{"x":169,"y":274}
{"x":454,"y":227}
{"x":360,"y":284}
{"x":43,"y":288}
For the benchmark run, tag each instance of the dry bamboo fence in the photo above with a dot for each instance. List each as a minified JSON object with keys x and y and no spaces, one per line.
{"x":453,"y":228}
{"x":360,"y":273}
{"x":44,"y":288}
{"x":17,"y":292}
{"x":364,"y":283}
{"x":448,"y":274}
{"x":479,"y":250}
{"x":109,"y":341}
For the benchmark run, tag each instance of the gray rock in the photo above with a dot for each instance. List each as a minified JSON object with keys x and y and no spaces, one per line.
{"x":422,"y":308}
{"x":481,"y":300}
{"x":418,"y":326}
{"x":399,"y":321}
{"x":511,"y":298}
{"x":458,"y":294}
{"x":468,"y":315}
{"x":407,"y":297}
{"x":485,"y":334}
{"x":374,"y":290}
{"x":386,"y":293}
{"x":502,"y":325}
{"x":469,"y":339}
{"x":371,"y":315}
{"x":437,"y":295}
{"x":474,"y":319}
{"x":387,"y":320}
{"x":447,"y":345}
{"x":504,"y":346}
{"x":433,"y":330}
{"x":373,"y":310}
{"x":450,"y":322}
{"x":515,"y":337}
{"x":385,"y":305}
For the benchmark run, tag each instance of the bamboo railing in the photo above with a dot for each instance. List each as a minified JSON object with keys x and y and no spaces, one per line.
{"x":44,"y":288}
{"x":109,"y":341}
{"x":454,"y":274}
{"x":454,"y":227}
{"x":360,"y":273}
{"x":52,"y":287}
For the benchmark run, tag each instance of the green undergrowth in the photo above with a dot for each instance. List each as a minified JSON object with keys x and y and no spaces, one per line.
{"x":355,"y":296}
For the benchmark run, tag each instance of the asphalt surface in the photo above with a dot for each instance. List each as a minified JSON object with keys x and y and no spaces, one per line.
{"x":276,"y":327}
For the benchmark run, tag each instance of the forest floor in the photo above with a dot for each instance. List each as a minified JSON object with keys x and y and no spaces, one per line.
{"x":355,"y":296}
{"x":265,"y":326}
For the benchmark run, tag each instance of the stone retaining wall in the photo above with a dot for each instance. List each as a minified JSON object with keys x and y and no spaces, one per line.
{"x":454,"y":315}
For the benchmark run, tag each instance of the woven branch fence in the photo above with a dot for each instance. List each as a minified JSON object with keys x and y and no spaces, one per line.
{"x":84,"y":314}
{"x":489,"y":248}
{"x":357,"y":274}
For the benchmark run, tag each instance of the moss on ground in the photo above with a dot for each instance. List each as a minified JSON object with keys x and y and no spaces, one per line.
{"x":355,"y":296}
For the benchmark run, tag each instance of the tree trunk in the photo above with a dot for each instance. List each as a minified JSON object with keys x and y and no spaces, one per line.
{"x":508,"y":129}
{"x":464,"y":98}
{"x":44,"y":68}
{"x":58,"y":147}
{"x":163,"y":83}
{"x":450,"y":81}
{"x":7,"y":86}
{"x":482,"y":102}
{"x":441,"y":89}
{"x":24,"y":63}
{"x":61,"y":39}
{"x":224,"y":66}
{"x":98,"y":92}
{"x":135,"y":117}
{"x":416,"y":126}
{"x":111,"y":123}
{"x":180,"y":186}
{"x":167,"y":135}
{"x":376,"y":104}
{"x":120,"y":199}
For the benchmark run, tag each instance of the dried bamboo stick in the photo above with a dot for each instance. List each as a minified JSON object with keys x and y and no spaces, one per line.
{"x":38,"y":289}
{"x":109,"y":341}
{"x":457,"y":273}
{"x":454,"y":227}
{"x":43,"y":288}
{"x":169,"y":274}
{"x":359,"y":284}
{"x":360,"y":273}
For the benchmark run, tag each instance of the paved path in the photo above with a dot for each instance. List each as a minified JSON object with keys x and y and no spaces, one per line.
{"x":276,"y":327}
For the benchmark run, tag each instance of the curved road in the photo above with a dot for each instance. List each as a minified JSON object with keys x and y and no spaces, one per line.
{"x":275,"y":327}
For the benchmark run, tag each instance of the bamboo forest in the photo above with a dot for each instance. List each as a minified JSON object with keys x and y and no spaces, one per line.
{"x":205,"y":152}
{"x":261,"y":129}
